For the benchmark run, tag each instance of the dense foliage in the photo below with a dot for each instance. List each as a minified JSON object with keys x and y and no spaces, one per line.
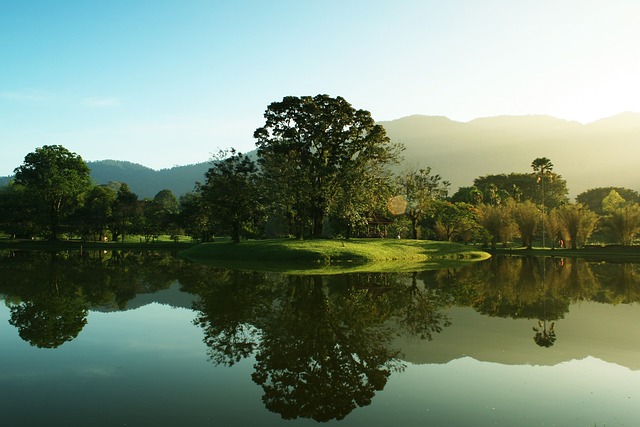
{"x":324,"y":169}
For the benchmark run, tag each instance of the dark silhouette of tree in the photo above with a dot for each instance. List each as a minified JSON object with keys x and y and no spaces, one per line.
{"x":127,"y":213}
{"x":544,"y":337}
{"x":51,"y":311}
{"x":232,"y":193}
{"x":55,"y":179}
{"x":321,"y":357}
{"x":18,"y":215}
{"x":49,"y":321}
{"x":96,"y":214}
{"x":195,"y":216}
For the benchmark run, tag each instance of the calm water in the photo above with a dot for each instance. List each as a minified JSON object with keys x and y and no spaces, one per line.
{"x":132,"y":339}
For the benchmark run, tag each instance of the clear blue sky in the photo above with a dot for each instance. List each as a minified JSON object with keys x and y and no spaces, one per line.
{"x":169,"y":82}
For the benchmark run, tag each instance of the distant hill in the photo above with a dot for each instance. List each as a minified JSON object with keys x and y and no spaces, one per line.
{"x":598,"y":154}
{"x":146,"y":182}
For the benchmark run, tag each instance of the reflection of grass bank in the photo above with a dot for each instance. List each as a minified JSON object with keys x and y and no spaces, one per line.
{"x":62,"y":245}
{"x":334,"y":256}
{"x":609,"y":252}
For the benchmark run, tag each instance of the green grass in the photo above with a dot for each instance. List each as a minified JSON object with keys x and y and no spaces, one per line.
{"x":334,"y":256}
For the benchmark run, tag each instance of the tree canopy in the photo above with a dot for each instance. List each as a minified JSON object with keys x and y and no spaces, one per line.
{"x":310,"y":148}
{"x":231,"y":190}
{"x":55,"y":178}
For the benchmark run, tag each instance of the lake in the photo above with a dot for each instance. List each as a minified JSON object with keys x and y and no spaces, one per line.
{"x":146,"y":338}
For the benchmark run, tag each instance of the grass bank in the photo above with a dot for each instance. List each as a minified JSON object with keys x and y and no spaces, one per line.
{"x":334,"y":256}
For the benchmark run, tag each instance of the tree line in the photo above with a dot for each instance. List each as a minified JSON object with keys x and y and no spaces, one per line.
{"x":323,"y":169}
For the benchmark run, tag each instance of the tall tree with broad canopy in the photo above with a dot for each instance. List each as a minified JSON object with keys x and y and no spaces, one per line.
{"x":55,"y":178}
{"x":310,"y":148}
{"x":593,"y":197}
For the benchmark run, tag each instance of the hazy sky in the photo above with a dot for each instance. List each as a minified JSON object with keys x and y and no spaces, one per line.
{"x":169,"y":82}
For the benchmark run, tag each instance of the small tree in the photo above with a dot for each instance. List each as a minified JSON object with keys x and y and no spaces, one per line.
{"x":552,"y":227}
{"x":127,"y":213}
{"x":194,"y":217}
{"x":98,"y":209}
{"x":231,"y":191}
{"x":527,"y":217}
{"x":577,"y":223}
{"x":612,"y":202}
{"x":624,"y":223}
{"x":420,"y":189}
{"x":453,"y":218}
{"x":498,"y":221}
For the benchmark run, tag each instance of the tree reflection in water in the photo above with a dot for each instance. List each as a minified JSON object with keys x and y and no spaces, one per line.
{"x":322,"y":344}
{"x":544,"y":337}
{"x":49,"y":294}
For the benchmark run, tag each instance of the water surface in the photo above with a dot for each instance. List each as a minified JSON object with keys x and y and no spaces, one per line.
{"x":149,"y":339}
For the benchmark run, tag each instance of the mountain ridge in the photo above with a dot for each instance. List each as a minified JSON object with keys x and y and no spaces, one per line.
{"x":596,"y":154}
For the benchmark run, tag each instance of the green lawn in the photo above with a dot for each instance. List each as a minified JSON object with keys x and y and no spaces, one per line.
{"x":334,"y":256}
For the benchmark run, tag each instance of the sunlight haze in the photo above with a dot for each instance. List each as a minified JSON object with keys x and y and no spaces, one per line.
{"x":165,"y":83}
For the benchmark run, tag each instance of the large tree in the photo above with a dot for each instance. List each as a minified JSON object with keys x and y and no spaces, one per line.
{"x":310,"y":148}
{"x":55,"y":178}
{"x":593,"y":197}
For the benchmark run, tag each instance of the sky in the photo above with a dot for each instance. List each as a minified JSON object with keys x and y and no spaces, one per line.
{"x":171,"y":82}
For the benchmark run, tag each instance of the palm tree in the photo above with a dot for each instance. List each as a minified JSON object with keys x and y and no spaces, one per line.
{"x":541,"y":167}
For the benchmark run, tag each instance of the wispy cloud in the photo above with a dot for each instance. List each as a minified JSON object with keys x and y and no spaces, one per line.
{"x":25,"y":96}
{"x":101,"y":102}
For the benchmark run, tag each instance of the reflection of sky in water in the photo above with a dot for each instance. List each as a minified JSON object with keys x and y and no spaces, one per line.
{"x":149,"y":367}
{"x":466,"y":392}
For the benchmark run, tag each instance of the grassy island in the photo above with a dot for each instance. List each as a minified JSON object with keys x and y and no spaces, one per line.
{"x":335,"y":256}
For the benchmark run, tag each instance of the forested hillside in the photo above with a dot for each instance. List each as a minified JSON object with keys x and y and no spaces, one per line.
{"x":146,"y":182}
{"x":597,"y":154}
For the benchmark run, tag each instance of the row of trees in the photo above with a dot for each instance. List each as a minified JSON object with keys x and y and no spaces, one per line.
{"x":52,"y":195}
{"x":322,"y":169}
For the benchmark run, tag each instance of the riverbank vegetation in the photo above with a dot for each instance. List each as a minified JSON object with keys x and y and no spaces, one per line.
{"x":323,"y":170}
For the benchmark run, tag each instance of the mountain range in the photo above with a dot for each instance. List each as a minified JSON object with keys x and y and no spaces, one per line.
{"x":599,"y":154}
